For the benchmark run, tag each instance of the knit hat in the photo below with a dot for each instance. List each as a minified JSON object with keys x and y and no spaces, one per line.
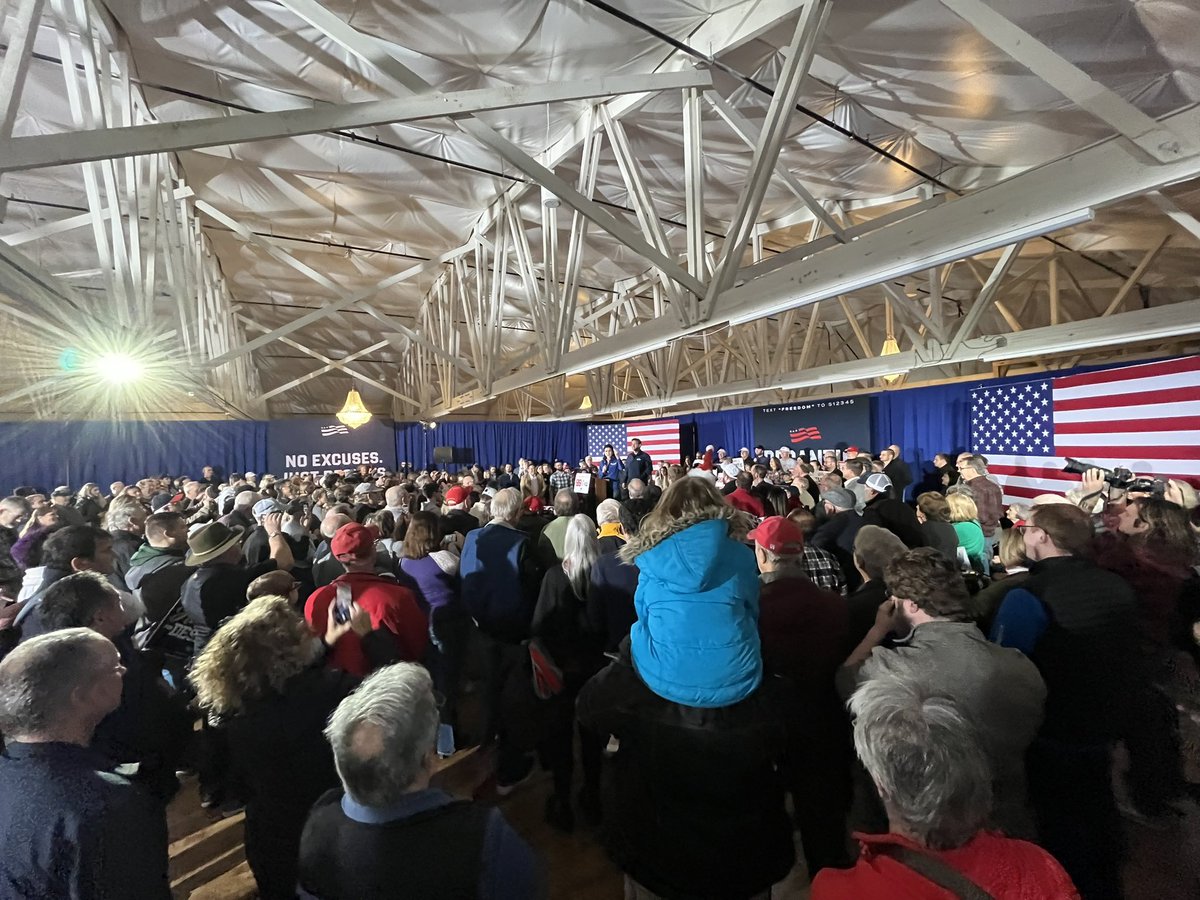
{"x":877,"y":481}
{"x":779,"y":535}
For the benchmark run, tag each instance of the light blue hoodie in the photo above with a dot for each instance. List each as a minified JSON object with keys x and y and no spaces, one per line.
{"x":695,"y":641}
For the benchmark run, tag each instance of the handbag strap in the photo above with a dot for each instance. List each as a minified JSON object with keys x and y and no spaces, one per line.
{"x":941,"y":874}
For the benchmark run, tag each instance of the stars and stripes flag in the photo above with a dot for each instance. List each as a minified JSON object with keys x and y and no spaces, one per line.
{"x":659,"y":437}
{"x":1144,"y":417}
{"x":800,"y":435}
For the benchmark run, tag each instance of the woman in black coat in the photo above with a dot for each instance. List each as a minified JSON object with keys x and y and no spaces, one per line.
{"x":262,"y":680}
{"x":561,"y":630}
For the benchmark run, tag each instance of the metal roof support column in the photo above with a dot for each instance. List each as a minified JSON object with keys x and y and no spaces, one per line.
{"x":799,"y":53}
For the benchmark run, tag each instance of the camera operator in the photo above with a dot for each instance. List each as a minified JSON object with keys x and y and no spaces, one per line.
{"x":1149,"y":541}
{"x":1153,"y":547}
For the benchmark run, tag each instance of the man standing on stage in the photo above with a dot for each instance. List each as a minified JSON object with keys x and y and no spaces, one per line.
{"x":638,"y":463}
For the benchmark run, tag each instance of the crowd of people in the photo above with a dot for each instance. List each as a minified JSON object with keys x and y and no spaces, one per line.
{"x":929,"y":686}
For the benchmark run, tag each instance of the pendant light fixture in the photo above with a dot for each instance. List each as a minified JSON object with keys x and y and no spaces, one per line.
{"x":353,"y":413}
{"x":890,"y":347}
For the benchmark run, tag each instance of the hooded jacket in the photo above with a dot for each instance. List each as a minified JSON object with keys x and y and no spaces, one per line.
{"x":695,"y":641}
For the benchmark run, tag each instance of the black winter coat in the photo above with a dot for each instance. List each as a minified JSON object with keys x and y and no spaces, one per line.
{"x":697,"y":800}
{"x":897,"y":517}
{"x":280,"y":754}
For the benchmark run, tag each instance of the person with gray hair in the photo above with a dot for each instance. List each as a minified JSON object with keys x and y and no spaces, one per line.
{"x":506,"y":506}
{"x":638,"y":504}
{"x":125,"y":521}
{"x":242,"y":514}
{"x":13,"y":512}
{"x":388,"y":832}
{"x":564,"y":635}
{"x":615,"y":525}
{"x":932,"y":772}
{"x":989,"y":496}
{"x":999,"y":690}
{"x":553,"y":537}
{"x":70,"y":826}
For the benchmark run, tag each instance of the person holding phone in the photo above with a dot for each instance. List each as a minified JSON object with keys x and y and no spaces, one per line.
{"x":392,"y":607}
{"x":261,"y":677}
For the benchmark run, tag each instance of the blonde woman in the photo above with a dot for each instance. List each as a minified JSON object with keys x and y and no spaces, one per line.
{"x":696,"y":638}
{"x":964,"y":516}
{"x":262,"y":677}
{"x":532,"y":485}
{"x":984,"y":605}
{"x":561,"y":625}
{"x":89,"y":502}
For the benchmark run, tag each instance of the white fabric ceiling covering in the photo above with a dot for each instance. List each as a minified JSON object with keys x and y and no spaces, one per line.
{"x":910,"y":78}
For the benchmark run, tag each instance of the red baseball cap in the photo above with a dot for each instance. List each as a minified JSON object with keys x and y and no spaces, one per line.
{"x":354,"y":540}
{"x":533,"y":504}
{"x":852,"y":450}
{"x":456,"y":495}
{"x":779,"y":535}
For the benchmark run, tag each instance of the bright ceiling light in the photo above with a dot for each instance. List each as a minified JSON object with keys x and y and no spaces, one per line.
{"x":890,"y":348}
{"x":119,"y":368}
{"x":354,"y":413}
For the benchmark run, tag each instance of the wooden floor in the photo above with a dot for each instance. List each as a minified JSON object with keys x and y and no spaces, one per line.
{"x":208,"y":862}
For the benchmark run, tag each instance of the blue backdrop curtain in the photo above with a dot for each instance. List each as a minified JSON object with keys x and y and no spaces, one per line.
{"x":494,"y":443}
{"x":923,"y":421}
{"x":45,"y":454}
{"x":731,"y":429}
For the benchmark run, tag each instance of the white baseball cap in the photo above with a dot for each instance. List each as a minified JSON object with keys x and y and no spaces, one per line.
{"x":879,"y":482}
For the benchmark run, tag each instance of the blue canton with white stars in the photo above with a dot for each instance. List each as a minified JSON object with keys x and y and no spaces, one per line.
{"x":1013,"y":419}
{"x":599,"y":435}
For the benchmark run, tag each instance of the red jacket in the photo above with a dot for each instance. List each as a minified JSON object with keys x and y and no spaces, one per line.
{"x":392,"y":607}
{"x":745,"y":501}
{"x":1006,"y":868}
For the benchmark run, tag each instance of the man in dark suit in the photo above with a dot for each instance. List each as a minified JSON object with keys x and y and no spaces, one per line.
{"x":896,"y":469}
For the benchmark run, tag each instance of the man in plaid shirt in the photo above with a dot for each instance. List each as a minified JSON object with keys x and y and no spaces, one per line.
{"x":562,"y":478}
{"x":821,"y":566}
{"x":822,"y":569}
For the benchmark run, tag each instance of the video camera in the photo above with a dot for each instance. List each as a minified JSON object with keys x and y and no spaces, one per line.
{"x":1119,"y":478}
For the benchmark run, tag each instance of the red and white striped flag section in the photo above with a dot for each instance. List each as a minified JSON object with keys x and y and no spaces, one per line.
{"x":1144,"y":417}
{"x":800,"y":435}
{"x":659,"y":437}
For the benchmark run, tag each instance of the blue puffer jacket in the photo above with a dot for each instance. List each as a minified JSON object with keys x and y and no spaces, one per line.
{"x":695,"y":641}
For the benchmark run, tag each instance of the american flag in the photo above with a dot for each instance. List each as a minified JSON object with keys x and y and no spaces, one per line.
{"x":800,"y":435}
{"x":659,"y":437}
{"x":1145,"y":418}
